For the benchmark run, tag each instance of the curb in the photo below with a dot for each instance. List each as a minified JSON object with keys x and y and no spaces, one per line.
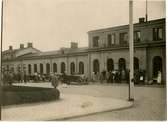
{"x":77,"y":116}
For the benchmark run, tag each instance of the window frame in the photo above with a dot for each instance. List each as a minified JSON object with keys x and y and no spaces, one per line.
{"x":123,"y":38}
{"x":95,"y":41}
{"x":156,"y":34}
{"x":136,"y":35}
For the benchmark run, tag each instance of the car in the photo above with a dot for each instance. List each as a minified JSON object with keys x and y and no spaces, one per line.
{"x":74,"y":79}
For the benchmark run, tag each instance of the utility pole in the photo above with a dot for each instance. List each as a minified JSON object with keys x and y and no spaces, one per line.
{"x":131,"y":51}
{"x":1,"y":83}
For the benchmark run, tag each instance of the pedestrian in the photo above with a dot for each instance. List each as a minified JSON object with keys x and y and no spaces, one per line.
{"x":159,"y":77}
{"x":22,"y":77}
{"x":36,"y":76}
{"x":25,"y":78}
{"x":10,"y":78}
{"x":98,"y":76}
{"x":110,"y":77}
{"x":93,"y":77}
{"x":19,"y":77}
{"x":107,"y":76}
{"x":54,"y":80}
{"x":101,"y":77}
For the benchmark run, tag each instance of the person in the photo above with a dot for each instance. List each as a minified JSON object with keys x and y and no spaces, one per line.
{"x":159,"y":77}
{"x":103,"y":73}
{"x":93,"y":77}
{"x":97,"y":76}
{"x":107,"y":76}
{"x":36,"y":76}
{"x":110,"y":77}
{"x":54,"y":80}
{"x":25,"y":78}
{"x":22,"y":77}
{"x":101,"y":77}
{"x":10,"y":78}
{"x":19,"y":76}
{"x":123,"y":74}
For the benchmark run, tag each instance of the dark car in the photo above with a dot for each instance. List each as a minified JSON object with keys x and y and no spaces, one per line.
{"x":74,"y":79}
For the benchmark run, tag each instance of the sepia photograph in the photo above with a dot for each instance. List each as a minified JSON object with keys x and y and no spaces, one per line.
{"x":83,"y":60}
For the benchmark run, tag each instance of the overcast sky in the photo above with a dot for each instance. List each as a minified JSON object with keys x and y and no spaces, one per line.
{"x":51,"y":24}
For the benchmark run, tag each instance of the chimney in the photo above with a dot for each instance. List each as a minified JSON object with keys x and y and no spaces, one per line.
{"x":21,"y":46}
{"x":29,"y":44}
{"x":141,"y":20}
{"x":74,"y":45}
{"x":10,"y":48}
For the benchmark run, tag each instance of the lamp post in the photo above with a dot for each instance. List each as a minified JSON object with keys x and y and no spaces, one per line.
{"x":131,"y":51}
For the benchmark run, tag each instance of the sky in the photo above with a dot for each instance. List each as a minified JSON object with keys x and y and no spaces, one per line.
{"x":52,"y":24}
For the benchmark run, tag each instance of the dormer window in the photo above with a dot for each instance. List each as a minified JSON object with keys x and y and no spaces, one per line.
{"x":96,"y":41}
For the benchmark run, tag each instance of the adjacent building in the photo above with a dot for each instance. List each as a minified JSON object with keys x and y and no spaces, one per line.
{"x":108,"y":49}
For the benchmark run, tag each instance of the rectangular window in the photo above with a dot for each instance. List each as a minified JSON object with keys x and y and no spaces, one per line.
{"x":160,"y":34}
{"x":96,"y":41}
{"x":123,"y":38}
{"x":113,"y":39}
{"x":109,"y":39}
{"x":137,"y":36}
{"x":157,"y":34}
{"x":35,"y":68}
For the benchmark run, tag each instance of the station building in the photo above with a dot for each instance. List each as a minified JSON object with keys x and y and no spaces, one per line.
{"x":108,"y":49}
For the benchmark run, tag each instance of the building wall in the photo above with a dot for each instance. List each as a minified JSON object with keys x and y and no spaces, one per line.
{"x":115,"y":55}
{"x":145,"y":54}
{"x":58,"y":61}
{"x":146,"y":30}
{"x":151,"y":53}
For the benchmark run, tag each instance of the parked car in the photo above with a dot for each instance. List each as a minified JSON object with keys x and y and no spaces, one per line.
{"x":74,"y":79}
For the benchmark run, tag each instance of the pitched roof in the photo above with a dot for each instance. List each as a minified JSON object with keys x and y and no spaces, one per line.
{"x":56,"y":52}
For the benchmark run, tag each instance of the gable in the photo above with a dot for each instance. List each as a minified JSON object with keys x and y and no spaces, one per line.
{"x":26,"y":51}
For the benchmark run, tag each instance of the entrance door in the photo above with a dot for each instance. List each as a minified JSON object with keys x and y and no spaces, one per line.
{"x":157,"y":65}
{"x":122,"y":64}
{"x":110,"y":65}
{"x":136,"y":63}
{"x":63,"y":67}
{"x":96,"y":66}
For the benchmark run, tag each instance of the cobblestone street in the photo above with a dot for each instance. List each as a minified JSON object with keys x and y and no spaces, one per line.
{"x":149,"y":101}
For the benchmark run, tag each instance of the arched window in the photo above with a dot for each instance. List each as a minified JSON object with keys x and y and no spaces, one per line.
{"x":122,"y":64}
{"x":54,"y":67}
{"x":157,"y":65}
{"x":136,"y":63}
{"x":96,"y":66}
{"x":63,"y":68}
{"x":41,"y":68}
{"x":81,"y":68}
{"x":47,"y":68}
{"x":35,"y":67}
{"x":72,"y":67}
{"x":29,"y":69}
{"x":110,"y":64}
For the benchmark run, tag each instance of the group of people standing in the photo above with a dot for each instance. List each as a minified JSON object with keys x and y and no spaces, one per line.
{"x":110,"y":76}
{"x":10,"y":77}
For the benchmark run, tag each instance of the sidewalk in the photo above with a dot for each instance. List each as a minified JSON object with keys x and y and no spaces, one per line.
{"x":68,"y":106}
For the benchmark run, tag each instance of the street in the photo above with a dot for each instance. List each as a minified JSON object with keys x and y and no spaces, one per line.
{"x":149,"y":101}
